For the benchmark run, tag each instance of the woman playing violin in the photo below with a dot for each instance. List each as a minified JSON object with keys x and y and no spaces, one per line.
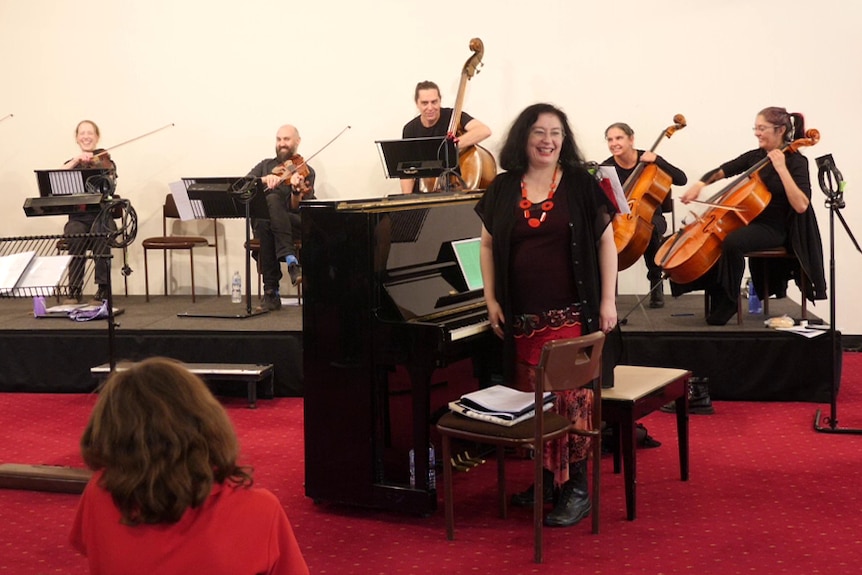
{"x":87,"y":137}
{"x":625,"y":158}
{"x":787,"y":220}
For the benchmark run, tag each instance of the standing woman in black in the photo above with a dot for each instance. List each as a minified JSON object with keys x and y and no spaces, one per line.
{"x":549,"y":268}
{"x":788,"y":219}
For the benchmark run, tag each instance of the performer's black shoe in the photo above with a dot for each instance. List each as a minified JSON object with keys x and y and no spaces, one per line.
{"x":525,"y":498}
{"x":722,"y":309}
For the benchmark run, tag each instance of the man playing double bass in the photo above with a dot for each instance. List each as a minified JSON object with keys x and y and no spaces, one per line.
{"x":433,"y":120}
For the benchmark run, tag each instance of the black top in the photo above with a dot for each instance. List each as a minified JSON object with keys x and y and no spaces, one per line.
{"x":589,"y":213}
{"x":677,"y":176}
{"x":778,"y":210}
{"x":415,"y":129}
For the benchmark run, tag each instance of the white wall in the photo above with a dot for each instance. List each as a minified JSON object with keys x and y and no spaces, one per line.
{"x":227,"y":74}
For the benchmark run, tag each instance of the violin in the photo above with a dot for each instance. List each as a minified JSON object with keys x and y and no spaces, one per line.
{"x":645,"y":190}
{"x":101,"y":161}
{"x":293,"y":165}
{"x":692,"y":251}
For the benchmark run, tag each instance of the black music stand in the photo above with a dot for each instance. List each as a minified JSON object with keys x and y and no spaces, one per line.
{"x":229,"y":198}
{"x":420,"y":158}
{"x":832,"y":185}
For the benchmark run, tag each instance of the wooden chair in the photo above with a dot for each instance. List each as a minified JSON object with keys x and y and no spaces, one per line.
{"x":780,"y":252}
{"x":564,"y":364}
{"x":168,"y":243}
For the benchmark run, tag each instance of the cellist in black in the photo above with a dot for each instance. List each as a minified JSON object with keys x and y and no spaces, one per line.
{"x":625,"y":158}
{"x":787,"y":220}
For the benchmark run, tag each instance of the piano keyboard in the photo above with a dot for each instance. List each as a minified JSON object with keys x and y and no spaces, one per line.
{"x":469,"y":329}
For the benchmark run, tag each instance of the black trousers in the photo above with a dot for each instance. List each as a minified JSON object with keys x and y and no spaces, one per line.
{"x":78,"y":249}
{"x":276,"y":237}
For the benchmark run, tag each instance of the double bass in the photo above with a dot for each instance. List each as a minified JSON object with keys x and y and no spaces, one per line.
{"x":476,"y":164}
{"x":645,"y":190}
{"x":692,"y":251}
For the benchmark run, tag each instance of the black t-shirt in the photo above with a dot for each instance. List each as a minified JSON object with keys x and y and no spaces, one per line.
{"x":415,"y":129}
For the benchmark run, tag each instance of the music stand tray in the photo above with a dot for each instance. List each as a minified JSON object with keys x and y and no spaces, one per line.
{"x":418,"y":157}
{"x":228,"y":198}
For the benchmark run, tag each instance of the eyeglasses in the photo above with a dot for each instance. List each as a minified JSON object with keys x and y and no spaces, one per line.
{"x":762,"y":129}
{"x":539,"y":133}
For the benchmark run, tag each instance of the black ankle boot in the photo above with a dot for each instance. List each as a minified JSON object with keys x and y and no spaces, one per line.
{"x":525,"y":498}
{"x":722,"y":308}
{"x":699,"y":402}
{"x":656,"y":296}
{"x":573,"y":503}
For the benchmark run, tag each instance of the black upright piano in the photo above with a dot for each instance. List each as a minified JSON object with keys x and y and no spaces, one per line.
{"x":391,"y":334}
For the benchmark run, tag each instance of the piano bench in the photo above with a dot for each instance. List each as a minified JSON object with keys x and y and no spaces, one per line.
{"x":249,"y":373}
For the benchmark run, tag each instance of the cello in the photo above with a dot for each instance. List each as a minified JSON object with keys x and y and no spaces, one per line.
{"x":692,"y":251}
{"x":476,"y":164}
{"x":645,"y":190}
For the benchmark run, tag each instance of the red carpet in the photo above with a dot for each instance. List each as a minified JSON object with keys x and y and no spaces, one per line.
{"x":767,"y":494}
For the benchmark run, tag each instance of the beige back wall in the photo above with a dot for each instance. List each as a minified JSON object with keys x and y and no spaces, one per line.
{"x":227,"y":74}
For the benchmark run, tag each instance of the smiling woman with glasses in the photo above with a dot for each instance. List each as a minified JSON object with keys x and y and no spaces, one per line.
{"x":787,"y":221}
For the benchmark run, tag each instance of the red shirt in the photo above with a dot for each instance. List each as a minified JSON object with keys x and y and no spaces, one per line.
{"x":236,"y":531}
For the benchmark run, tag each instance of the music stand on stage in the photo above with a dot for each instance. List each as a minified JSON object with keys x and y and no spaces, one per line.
{"x":420,"y":158}
{"x":228,"y":198}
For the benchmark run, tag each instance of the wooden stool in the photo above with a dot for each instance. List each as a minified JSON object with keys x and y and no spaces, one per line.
{"x":637,"y":392}
{"x":780,"y":252}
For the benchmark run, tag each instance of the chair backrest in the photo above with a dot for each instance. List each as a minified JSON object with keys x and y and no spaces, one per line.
{"x":570,"y":363}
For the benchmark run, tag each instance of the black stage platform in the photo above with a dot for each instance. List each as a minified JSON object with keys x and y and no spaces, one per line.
{"x":56,"y":354}
{"x":742,"y":362}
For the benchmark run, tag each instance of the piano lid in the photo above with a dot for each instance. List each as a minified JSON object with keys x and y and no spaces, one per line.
{"x":396,"y":202}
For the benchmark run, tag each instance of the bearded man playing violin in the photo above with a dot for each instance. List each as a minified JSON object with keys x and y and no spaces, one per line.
{"x":285,"y":183}
{"x":433,"y":120}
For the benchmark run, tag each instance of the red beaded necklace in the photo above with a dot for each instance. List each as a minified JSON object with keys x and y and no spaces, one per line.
{"x":547,"y":205}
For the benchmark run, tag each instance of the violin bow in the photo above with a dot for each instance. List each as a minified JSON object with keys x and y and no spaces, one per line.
{"x":105,"y":151}
{"x":305,"y":161}
{"x":6,"y":117}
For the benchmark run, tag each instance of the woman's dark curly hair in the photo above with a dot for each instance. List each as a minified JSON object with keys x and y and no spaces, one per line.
{"x":513,"y":156}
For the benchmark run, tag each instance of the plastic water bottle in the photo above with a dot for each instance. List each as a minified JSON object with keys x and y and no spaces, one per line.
{"x":755,"y":306}
{"x":432,"y":471}
{"x":236,"y":288}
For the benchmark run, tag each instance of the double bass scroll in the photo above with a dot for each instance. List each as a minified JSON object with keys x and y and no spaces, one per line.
{"x":645,"y":190}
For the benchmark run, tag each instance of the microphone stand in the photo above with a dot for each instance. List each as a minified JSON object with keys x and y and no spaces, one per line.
{"x":832,"y":185}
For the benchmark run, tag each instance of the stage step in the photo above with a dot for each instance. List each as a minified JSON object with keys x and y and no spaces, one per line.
{"x":250,"y":373}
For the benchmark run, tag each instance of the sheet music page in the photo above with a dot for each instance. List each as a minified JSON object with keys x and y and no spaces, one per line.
{"x":42,"y":276}
{"x":619,"y":197}
{"x":181,"y":197}
{"x":12,"y":267}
